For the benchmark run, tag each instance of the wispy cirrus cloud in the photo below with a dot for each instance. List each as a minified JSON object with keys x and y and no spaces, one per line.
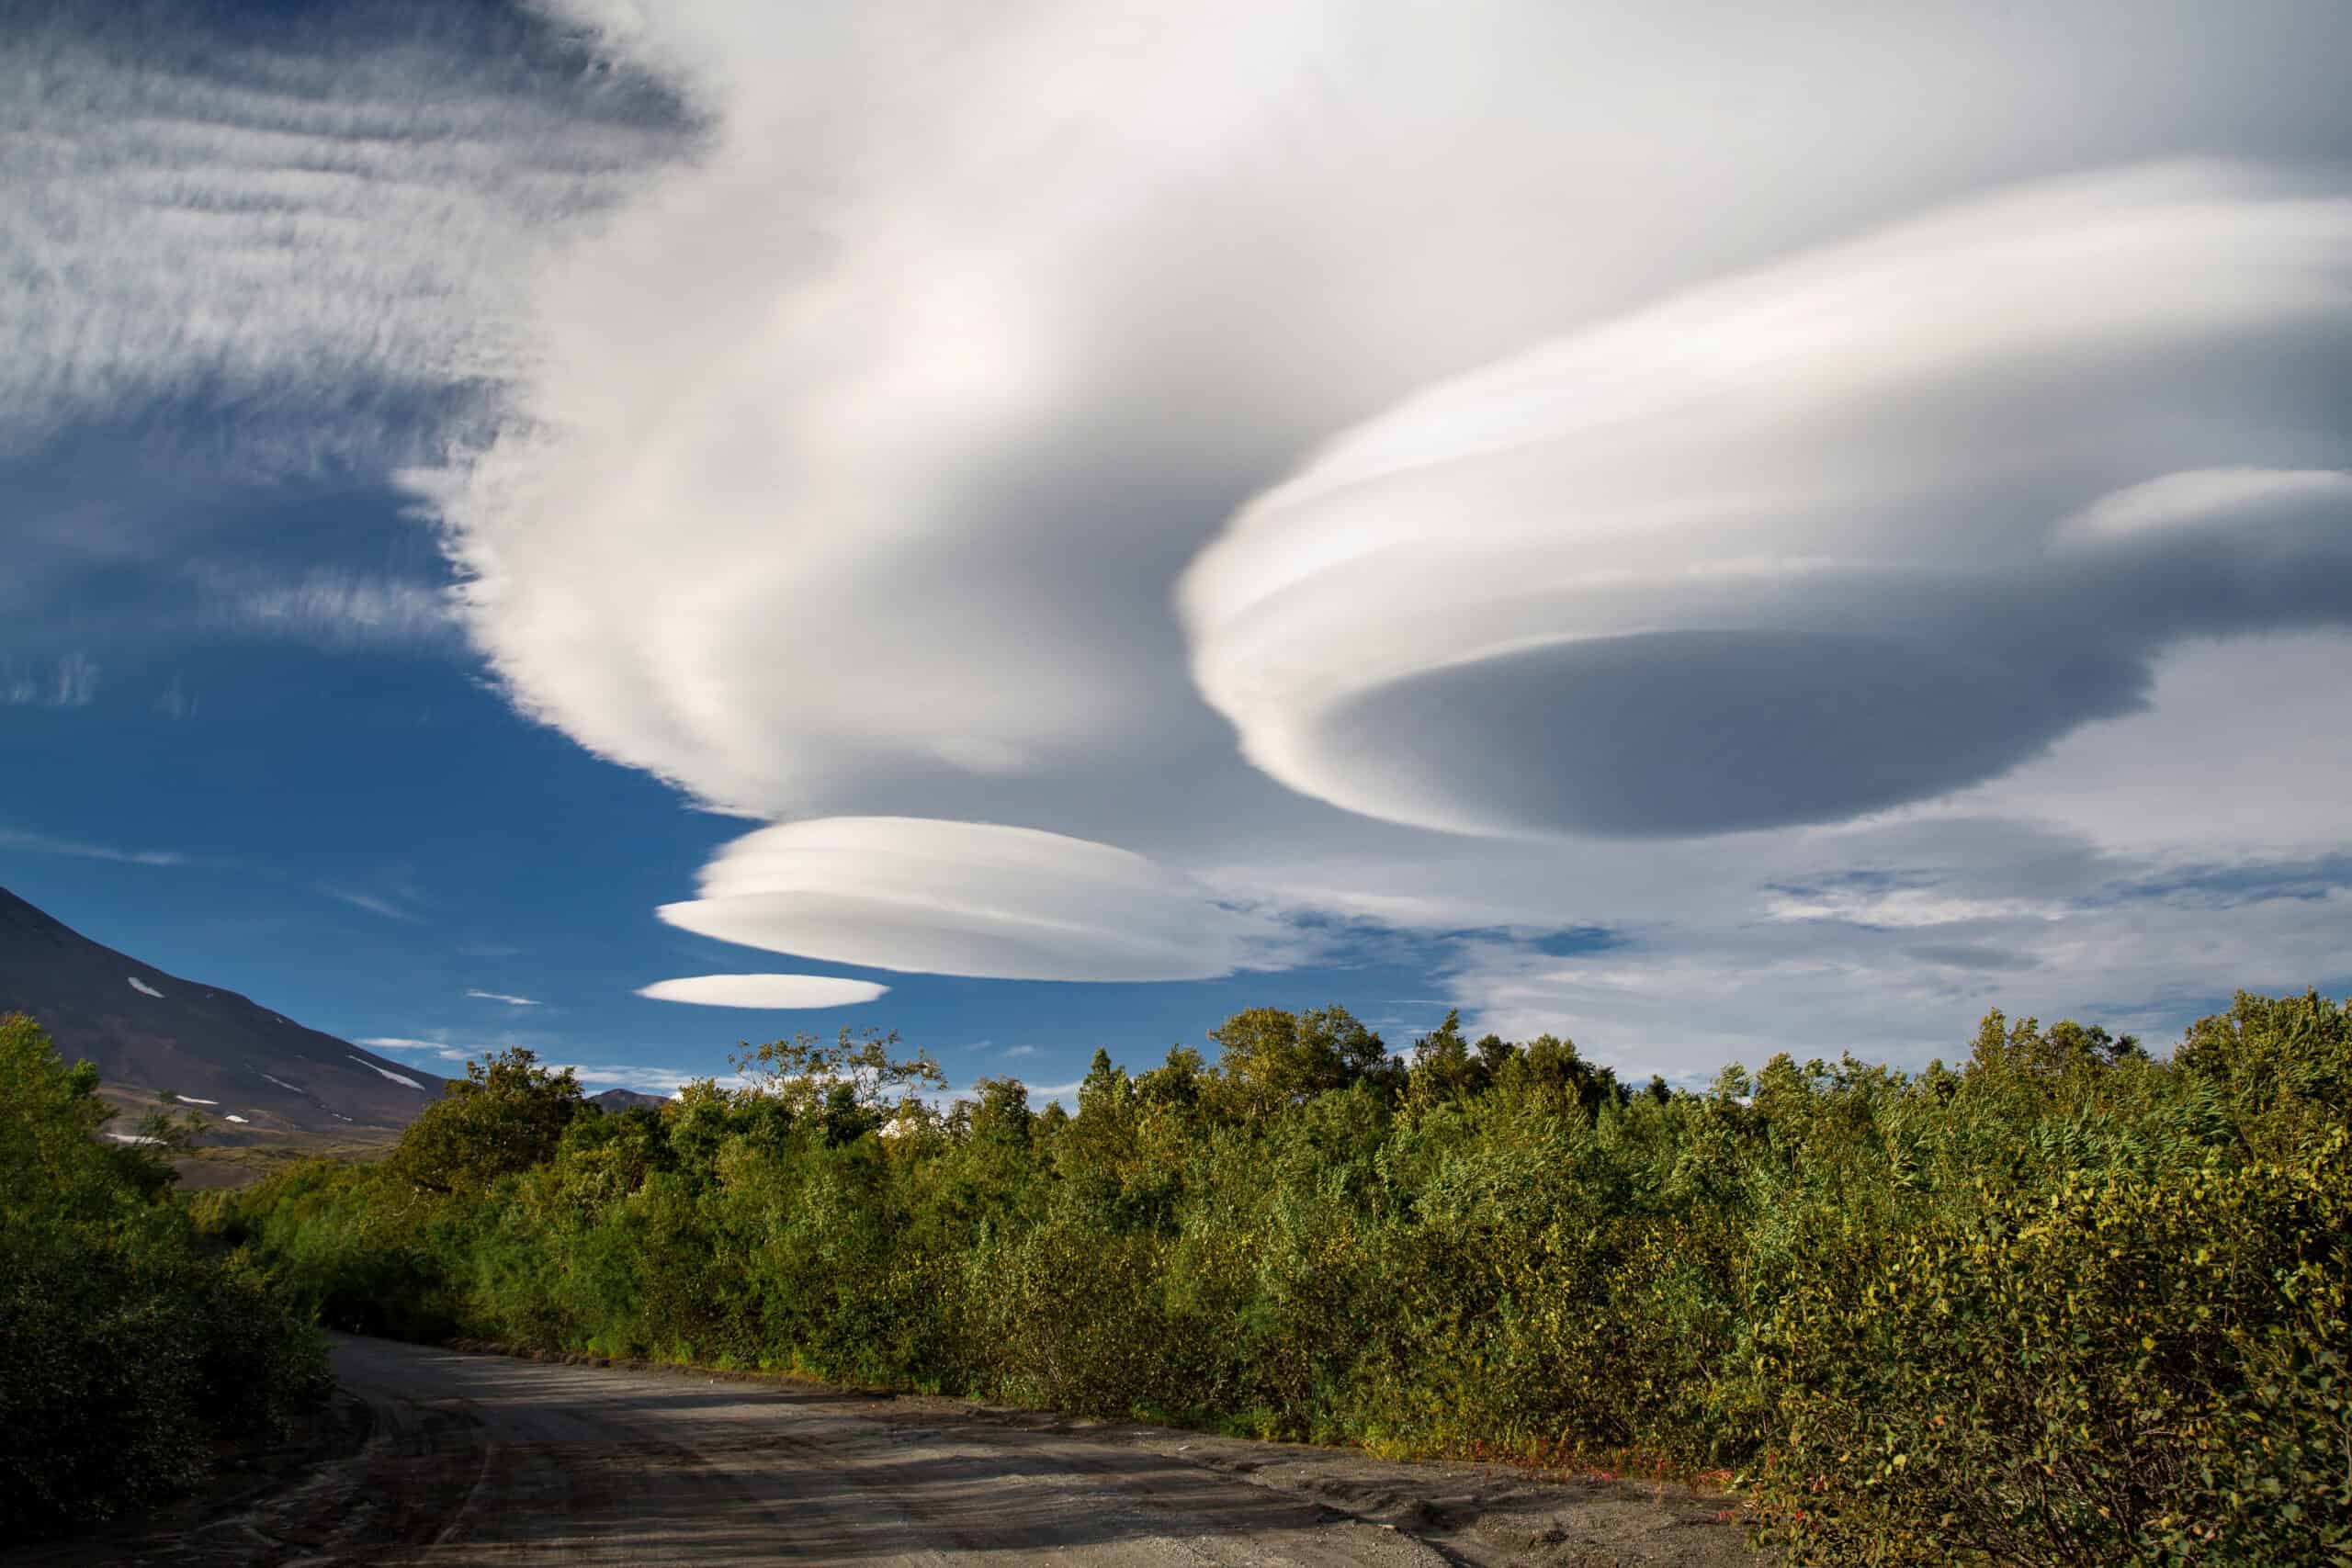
{"x":592,"y":1075}
{"x":70,"y":680}
{"x":49,"y":844}
{"x":326,"y":608}
{"x":326,"y":219}
{"x":512,"y":1001}
{"x":372,"y":903}
{"x":442,"y":1049}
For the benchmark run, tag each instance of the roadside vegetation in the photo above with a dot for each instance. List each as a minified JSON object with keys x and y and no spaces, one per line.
{"x":132,"y":1352}
{"x":2064,"y":1305}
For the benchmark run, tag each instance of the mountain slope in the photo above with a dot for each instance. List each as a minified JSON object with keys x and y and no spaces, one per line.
{"x":616,"y":1101}
{"x":251,"y":1071}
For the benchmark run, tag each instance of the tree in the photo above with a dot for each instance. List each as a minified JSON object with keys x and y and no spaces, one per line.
{"x":1270,"y":1059}
{"x":1547,"y":1071}
{"x":1175,"y":1084}
{"x":2024,"y":1049}
{"x":1444,"y":1066}
{"x":855,"y":1081}
{"x":505,"y":1115}
{"x":1002,"y":1115}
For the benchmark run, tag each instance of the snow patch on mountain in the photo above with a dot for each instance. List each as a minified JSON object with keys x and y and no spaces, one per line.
{"x":396,"y":1078}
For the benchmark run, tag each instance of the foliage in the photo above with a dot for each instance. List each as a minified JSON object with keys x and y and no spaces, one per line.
{"x":127,"y":1350}
{"x":2069,"y":1303}
{"x":504,"y":1116}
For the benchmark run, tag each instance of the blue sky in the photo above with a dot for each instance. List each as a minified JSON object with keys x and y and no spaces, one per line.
{"x":1101,"y":522}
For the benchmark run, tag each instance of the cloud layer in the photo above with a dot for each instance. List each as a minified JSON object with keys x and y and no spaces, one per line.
{"x":1833,"y":490}
{"x":326,"y":221}
{"x":949,"y":349}
{"x":1861,"y":529}
{"x":967,"y":898}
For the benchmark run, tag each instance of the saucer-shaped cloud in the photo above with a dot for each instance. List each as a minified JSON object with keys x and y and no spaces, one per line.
{"x":764,"y":991}
{"x":967,"y":898}
{"x":1864,"y":528}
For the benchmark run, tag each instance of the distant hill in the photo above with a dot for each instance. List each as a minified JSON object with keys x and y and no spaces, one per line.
{"x":620,"y":1099}
{"x":257,"y":1075}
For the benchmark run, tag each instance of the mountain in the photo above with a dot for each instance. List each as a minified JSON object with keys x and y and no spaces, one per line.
{"x":616,"y":1101}
{"x":257,"y":1075}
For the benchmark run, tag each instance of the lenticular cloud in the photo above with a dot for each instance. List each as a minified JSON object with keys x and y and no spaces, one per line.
{"x":1858,"y":530}
{"x":965,"y":899}
{"x":764,"y":991}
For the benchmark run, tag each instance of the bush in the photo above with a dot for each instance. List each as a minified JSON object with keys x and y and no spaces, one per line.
{"x":127,"y":1352}
{"x":2069,"y":1377}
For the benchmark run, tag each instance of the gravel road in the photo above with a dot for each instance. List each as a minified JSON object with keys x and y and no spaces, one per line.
{"x":473,"y":1458}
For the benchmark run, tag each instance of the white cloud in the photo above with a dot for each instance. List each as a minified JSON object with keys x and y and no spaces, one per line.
{"x":593,"y":1076}
{"x":330,"y":609}
{"x":2203,"y":497}
{"x":1889,"y":936}
{"x":438,"y":1048}
{"x":969,"y":898}
{"x":324,"y":221}
{"x":2135,"y":955}
{"x":948,"y":350}
{"x":1902,"y":908}
{"x":764,"y":991}
{"x":1741,"y":558}
{"x":2232,"y":757}
{"x":1062,"y":1094}
{"x":963,"y":340}
{"x":502,"y":997}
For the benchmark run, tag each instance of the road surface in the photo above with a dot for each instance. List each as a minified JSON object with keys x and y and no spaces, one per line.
{"x":482,"y":1459}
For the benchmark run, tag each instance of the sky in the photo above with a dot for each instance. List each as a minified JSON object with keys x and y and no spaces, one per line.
{"x":630,"y":529}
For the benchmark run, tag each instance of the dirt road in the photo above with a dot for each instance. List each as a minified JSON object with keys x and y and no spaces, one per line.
{"x":484,"y":1458}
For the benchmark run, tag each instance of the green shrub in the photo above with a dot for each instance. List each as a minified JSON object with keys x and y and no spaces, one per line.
{"x":127,"y":1350}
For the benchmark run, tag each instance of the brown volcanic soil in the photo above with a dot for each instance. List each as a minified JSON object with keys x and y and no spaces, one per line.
{"x":472,"y":1457}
